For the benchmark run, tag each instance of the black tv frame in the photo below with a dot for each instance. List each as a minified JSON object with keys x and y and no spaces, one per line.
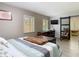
{"x":54,"y":22}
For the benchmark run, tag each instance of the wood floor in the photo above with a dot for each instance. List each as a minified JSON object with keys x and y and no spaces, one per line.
{"x":70,"y":48}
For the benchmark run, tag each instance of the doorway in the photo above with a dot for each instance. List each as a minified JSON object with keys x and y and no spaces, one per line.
{"x":74,"y":26}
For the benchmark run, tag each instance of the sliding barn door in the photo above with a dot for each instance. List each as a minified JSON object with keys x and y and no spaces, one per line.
{"x":64,"y":28}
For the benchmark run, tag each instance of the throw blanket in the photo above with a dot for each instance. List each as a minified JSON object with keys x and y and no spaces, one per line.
{"x":36,"y":40}
{"x":41,"y":49}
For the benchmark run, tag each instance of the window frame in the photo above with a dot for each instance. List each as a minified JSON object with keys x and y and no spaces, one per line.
{"x":32,"y":18}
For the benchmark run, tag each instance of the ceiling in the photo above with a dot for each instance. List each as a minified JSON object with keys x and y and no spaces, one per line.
{"x":49,"y":8}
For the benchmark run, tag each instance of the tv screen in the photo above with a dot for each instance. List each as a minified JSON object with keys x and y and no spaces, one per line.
{"x":54,"y":21}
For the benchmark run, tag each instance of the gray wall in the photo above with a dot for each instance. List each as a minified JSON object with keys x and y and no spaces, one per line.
{"x":14,"y":28}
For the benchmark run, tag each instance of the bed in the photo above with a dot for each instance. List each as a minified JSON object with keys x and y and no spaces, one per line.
{"x":46,"y":50}
{"x":22,"y":48}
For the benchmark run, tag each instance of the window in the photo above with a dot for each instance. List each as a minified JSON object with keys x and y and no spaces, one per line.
{"x":45,"y":25}
{"x":28,"y":24}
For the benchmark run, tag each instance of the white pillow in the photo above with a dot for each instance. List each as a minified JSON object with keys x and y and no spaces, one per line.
{"x":2,"y":40}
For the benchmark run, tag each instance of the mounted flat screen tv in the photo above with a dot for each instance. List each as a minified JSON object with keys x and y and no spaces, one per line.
{"x":54,"y":21}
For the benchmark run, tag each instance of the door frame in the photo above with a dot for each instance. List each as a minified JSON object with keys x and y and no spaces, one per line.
{"x":61,"y":25}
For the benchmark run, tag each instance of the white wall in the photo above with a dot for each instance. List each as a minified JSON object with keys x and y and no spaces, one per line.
{"x":56,"y":27}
